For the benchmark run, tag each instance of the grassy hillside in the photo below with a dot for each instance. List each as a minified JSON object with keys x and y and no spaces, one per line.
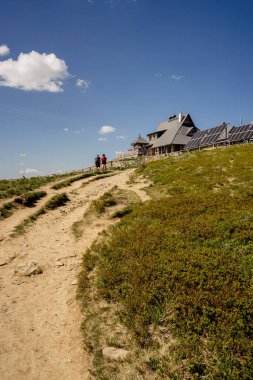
{"x":180,"y":267}
{"x":10,"y":188}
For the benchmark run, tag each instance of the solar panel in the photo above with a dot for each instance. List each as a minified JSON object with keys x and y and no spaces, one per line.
{"x":195,"y":140}
{"x":208,"y":137}
{"x":242,"y":133}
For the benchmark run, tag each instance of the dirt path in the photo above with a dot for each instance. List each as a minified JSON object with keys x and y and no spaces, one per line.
{"x":39,"y":317}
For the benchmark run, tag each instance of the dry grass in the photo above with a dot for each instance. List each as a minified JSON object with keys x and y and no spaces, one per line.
{"x":53,"y":203}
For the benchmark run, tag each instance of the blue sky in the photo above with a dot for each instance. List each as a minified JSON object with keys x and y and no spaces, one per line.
{"x":81,"y":77}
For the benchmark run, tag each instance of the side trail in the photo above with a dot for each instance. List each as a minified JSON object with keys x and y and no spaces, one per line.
{"x":39,"y":316}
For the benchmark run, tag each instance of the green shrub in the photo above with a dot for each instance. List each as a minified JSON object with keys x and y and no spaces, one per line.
{"x":6,"y":210}
{"x":30,"y":199}
{"x":69,"y":181}
{"x":120,"y":213}
{"x":56,"y":201}
{"x":10,"y":188}
{"x":27,"y":200}
{"x":106,"y":200}
{"x":183,"y":264}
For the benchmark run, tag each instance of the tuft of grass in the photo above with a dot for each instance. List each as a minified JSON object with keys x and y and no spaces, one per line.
{"x":103,"y":327}
{"x":10,"y":188}
{"x":101,"y":176}
{"x":69,"y":181}
{"x":26,"y":200}
{"x":56,"y":201}
{"x":122,"y":212}
{"x":106,"y":200}
{"x":179,"y":268}
{"x":30,"y":199}
{"x":6,"y":210}
{"x":77,"y":229}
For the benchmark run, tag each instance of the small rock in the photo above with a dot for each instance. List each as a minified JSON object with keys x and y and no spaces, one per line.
{"x":68,"y":256}
{"x":59,"y":263}
{"x":29,"y":269}
{"x":74,"y":282}
{"x":115,"y":353}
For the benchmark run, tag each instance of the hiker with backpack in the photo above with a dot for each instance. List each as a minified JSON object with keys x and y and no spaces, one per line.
{"x":103,"y":161}
{"x":97,"y":162}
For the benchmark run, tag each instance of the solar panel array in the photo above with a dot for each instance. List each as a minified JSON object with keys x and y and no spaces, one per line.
{"x":240,"y":134}
{"x":208,"y":137}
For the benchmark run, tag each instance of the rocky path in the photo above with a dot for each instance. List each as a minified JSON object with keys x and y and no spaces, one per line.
{"x":39,"y":316}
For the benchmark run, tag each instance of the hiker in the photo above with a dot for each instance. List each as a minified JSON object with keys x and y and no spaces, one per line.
{"x":97,"y":162}
{"x":103,"y":161}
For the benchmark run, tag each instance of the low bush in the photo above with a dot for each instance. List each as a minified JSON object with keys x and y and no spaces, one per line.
{"x":124,"y":211}
{"x":69,"y":181}
{"x":181,"y":266}
{"x":30,"y":199}
{"x":10,"y":188}
{"x":106,"y":200}
{"x":56,"y":201}
{"x":6,"y":210}
{"x":27,"y":200}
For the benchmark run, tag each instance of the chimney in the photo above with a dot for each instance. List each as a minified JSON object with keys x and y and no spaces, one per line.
{"x":180,"y":117}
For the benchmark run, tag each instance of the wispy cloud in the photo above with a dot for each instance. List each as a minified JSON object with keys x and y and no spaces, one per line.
{"x":102,"y":139}
{"x":83,"y":84}
{"x":158,"y":75}
{"x":120,"y":137}
{"x":76,"y":131}
{"x":23,"y":155}
{"x":34,"y":72}
{"x":110,"y":3}
{"x":29,"y":171}
{"x":177,"y":77}
{"x":4,"y":50}
{"x":106,"y":129}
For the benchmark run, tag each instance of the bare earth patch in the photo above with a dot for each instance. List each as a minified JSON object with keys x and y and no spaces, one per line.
{"x":40,"y":318}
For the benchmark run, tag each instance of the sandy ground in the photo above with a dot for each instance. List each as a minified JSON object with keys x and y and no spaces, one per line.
{"x":39,"y":316}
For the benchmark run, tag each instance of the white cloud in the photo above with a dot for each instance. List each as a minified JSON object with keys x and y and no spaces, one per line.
{"x":28,"y":171}
{"x":21,"y":164}
{"x":4,"y":50}
{"x":34,"y":71}
{"x":77,"y":131}
{"x":102,"y":139}
{"x":83,"y":84}
{"x":22,"y":155}
{"x":177,"y":77}
{"x":66,"y":129}
{"x":158,"y":75}
{"x":121,"y":137}
{"x":106,"y":129}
